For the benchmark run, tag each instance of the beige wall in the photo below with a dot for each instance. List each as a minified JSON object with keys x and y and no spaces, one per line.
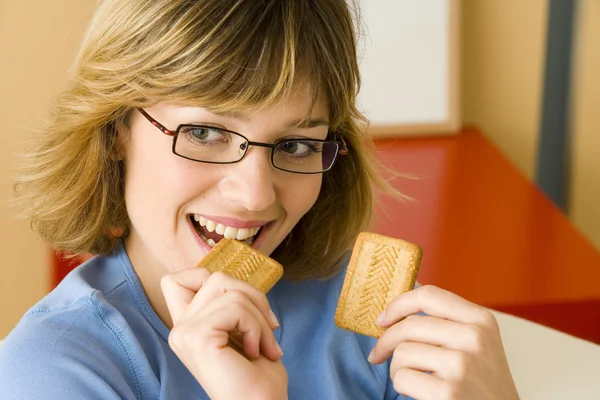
{"x":38,"y":40}
{"x":503,"y":60}
{"x":584,"y":199}
{"x":503,"y":56}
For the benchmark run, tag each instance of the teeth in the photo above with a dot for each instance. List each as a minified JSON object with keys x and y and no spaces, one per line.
{"x":230,"y":233}
{"x":211,"y":243}
{"x":242,"y":234}
{"x":210,"y":226}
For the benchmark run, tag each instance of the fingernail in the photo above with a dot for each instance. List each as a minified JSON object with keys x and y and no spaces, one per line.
{"x":381,"y":318}
{"x":279,"y":349}
{"x":370,"y":358}
{"x":274,"y":320}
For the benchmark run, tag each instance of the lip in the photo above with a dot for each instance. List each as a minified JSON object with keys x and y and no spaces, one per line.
{"x":234,"y":223}
{"x":263,"y":234}
{"x":207,"y":248}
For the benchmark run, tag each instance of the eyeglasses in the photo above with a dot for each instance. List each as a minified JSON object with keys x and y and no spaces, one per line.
{"x":209,"y":144}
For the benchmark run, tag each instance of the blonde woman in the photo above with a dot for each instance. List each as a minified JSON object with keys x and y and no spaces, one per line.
{"x":187,"y":121}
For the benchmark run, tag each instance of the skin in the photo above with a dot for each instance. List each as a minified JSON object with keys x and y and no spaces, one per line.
{"x":162,"y":190}
{"x":458,"y":342}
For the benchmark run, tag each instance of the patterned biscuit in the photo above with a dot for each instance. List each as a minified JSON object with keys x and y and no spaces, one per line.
{"x":380,"y":269}
{"x":241,"y":261}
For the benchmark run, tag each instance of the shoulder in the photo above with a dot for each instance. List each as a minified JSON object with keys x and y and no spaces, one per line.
{"x":80,"y":305}
{"x":62,"y":346}
{"x":64,"y":353}
{"x":101,"y":275}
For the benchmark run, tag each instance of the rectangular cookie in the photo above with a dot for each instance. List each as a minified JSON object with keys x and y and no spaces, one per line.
{"x":241,"y":261}
{"x":380,"y":269}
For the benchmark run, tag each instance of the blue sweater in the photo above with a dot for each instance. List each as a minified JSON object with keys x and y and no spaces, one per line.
{"x":97,"y":337}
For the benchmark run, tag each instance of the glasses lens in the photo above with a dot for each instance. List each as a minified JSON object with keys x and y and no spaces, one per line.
{"x":205,"y":143}
{"x":305,"y":156}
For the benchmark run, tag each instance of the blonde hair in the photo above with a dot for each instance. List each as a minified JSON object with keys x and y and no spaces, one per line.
{"x":222,"y":54}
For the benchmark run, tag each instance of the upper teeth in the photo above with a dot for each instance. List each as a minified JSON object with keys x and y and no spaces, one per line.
{"x":227,"y":231}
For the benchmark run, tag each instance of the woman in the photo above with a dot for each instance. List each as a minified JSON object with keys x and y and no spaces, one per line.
{"x":189,"y":121}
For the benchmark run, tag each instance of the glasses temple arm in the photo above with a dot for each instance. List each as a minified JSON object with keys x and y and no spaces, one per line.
{"x":157,"y":124}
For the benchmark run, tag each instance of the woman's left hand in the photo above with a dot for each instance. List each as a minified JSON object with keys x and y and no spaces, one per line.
{"x":454,"y":352}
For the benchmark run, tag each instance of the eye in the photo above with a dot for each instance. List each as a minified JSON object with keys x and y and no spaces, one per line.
{"x":200,"y":133}
{"x":290,"y":147}
{"x":203,"y":134}
{"x":299,"y":148}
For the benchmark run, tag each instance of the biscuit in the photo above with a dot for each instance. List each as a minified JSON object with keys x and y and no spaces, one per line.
{"x":380,"y":269}
{"x":241,"y":261}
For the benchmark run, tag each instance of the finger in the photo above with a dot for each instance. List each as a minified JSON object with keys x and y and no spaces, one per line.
{"x":266,"y":344}
{"x":180,"y":288}
{"x":419,"y":385}
{"x":213,"y":331}
{"x":428,"y":330}
{"x":237,"y":317}
{"x":219,"y":283}
{"x":435,"y":302}
{"x":443,"y":363}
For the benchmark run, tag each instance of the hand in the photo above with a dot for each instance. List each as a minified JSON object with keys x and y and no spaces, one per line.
{"x":457,"y":341}
{"x":208,"y":311}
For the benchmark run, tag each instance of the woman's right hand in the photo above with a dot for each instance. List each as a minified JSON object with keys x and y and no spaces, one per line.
{"x":207,"y":311}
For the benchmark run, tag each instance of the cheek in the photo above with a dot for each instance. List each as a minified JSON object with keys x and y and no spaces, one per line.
{"x":157,"y":182}
{"x":302,"y":195}
{"x":147,"y":173}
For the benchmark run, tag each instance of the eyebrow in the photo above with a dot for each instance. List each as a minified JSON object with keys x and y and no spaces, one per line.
{"x":295,"y":123}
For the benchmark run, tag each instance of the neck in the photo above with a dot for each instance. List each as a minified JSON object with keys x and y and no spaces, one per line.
{"x":149,"y":273}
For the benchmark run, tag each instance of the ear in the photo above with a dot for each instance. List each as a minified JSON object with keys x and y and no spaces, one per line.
{"x":117,"y":232}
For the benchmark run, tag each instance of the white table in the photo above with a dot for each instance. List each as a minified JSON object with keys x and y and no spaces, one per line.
{"x":547,"y":364}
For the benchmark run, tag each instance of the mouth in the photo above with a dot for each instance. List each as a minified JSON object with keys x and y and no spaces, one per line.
{"x":212,"y":232}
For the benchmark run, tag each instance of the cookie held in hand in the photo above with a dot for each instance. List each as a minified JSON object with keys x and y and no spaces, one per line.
{"x":380,"y":269}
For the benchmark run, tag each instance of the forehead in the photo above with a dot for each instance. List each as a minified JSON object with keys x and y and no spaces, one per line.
{"x":300,"y":106}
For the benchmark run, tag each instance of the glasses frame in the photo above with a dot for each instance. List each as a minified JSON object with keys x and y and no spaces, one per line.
{"x":342,"y":149}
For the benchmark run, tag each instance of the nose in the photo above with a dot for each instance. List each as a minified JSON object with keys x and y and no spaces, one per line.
{"x":250,"y":183}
